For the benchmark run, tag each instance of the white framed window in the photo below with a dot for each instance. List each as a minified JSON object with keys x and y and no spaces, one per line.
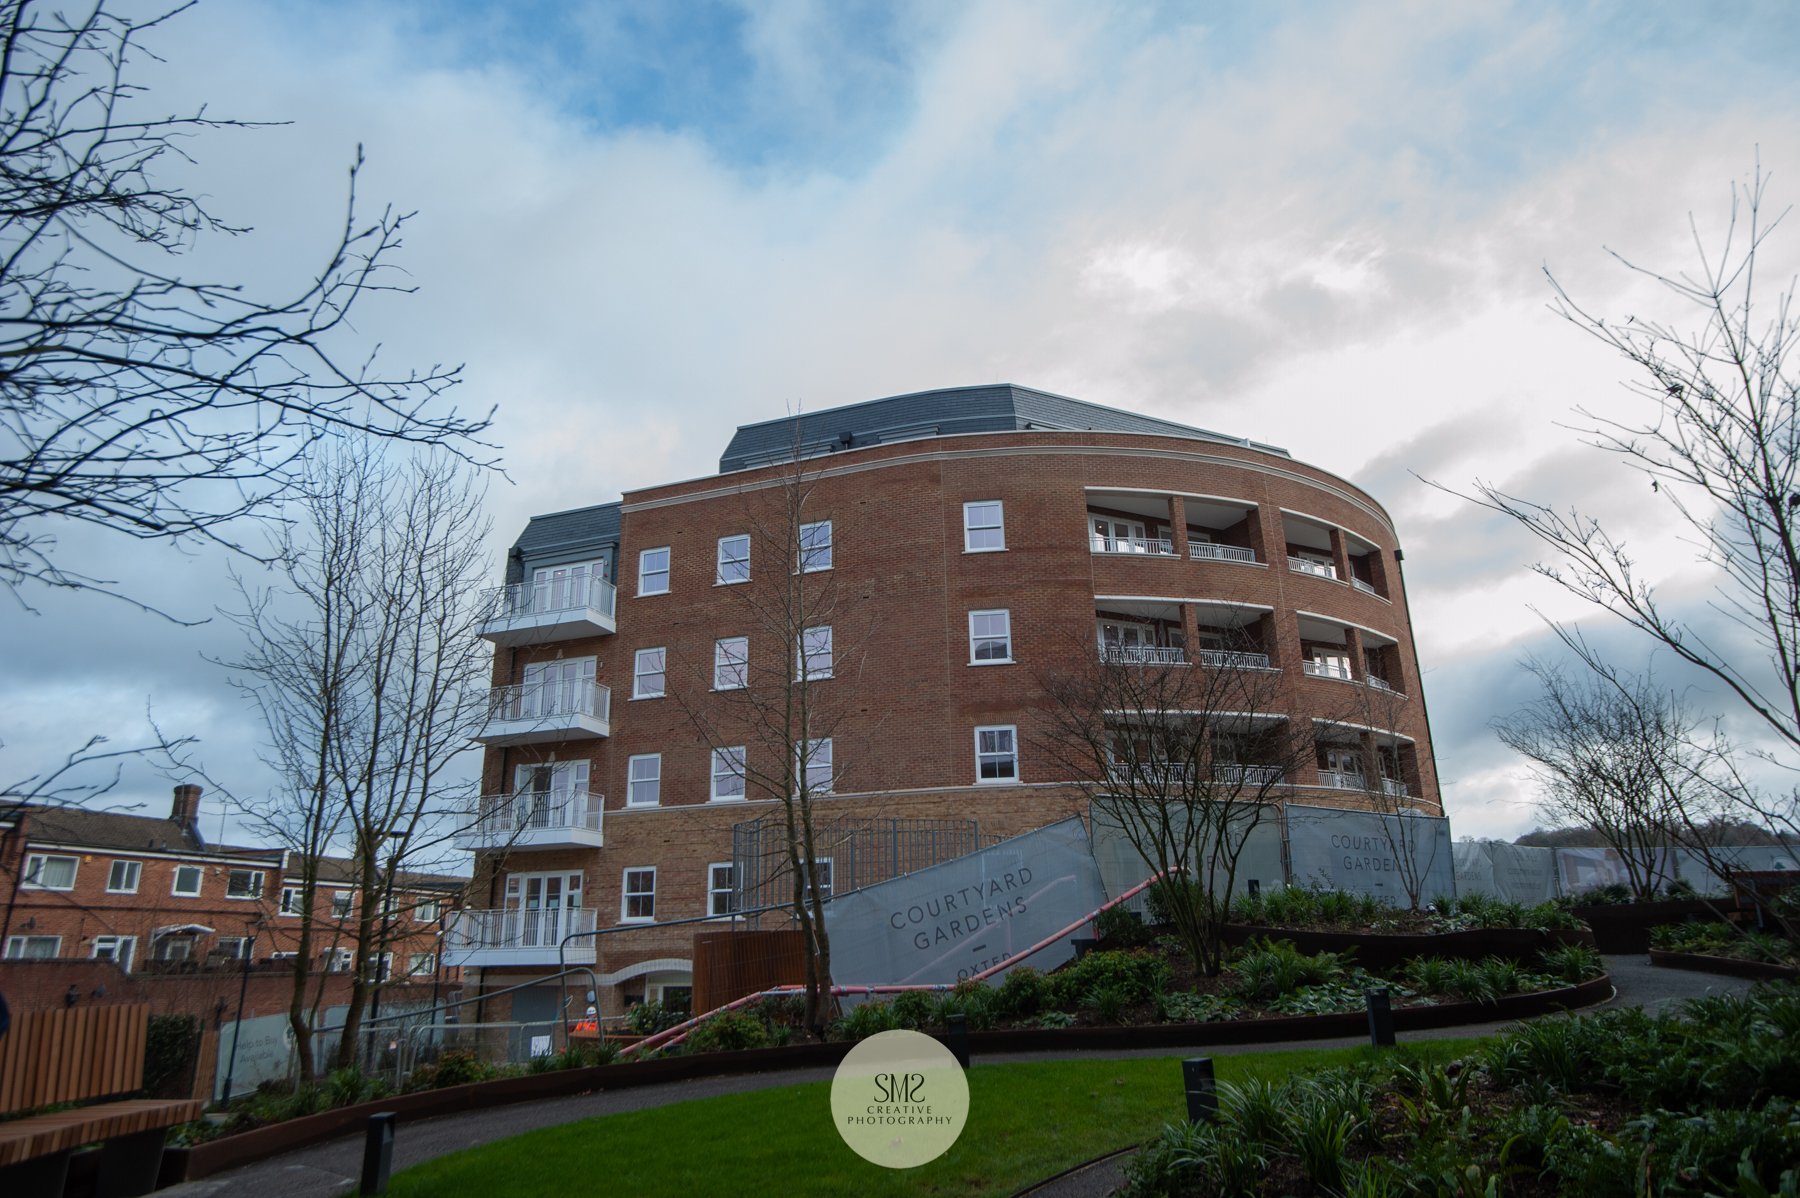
{"x":815,"y":546}
{"x":731,"y":663}
{"x":46,"y":872}
{"x":124,"y":876}
{"x":734,"y":560}
{"x":172,"y":948}
{"x":426,"y":911}
{"x":559,"y":588}
{"x":187,"y":881}
{"x":421,"y":964}
{"x":244,"y":884}
{"x":813,"y":765}
{"x":812,"y":656}
{"x":990,"y":637}
{"x":997,"y":753}
{"x":339,"y":960}
{"x":643,"y":786}
{"x":721,"y":890}
{"x":235,"y":947}
{"x":290,"y":900}
{"x":984,"y":526}
{"x":637,"y":901}
{"x":649,"y":673}
{"x":116,"y":948}
{"x":728,"y":774}
{"x":33,"y":948}
{"x":653,"y":571}
{"x":343,"y":902}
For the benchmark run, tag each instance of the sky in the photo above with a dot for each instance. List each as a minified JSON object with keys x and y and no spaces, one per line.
{"x":638,"y":225}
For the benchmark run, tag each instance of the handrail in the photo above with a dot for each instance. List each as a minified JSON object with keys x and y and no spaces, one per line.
{"x":1208,"y":550}
{"x":1302,"y":565}
{"x":1143,"y":655}
{"x":1154,"y":546}
{"x":547,"y":698}
{"x":549,"y":595}
{"x":1231,"y":659}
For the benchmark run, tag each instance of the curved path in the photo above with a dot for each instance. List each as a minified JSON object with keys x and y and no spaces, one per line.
{"x":330,"y":1169}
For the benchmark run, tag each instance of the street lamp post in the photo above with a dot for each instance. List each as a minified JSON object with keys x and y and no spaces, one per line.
{"x":237,"y":1028}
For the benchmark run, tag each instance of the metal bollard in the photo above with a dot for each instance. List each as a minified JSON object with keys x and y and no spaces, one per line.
{"x":378,"y":1153}
{"x":1202,"y":1090}
{"x":956,"y":1038}
{"x":1381,"y":1018}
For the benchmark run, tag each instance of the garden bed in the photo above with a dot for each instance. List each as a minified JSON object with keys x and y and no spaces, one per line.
{"x":1729,"y":966}
{"x":1625,"y":927}
{"x":1383,"y":951}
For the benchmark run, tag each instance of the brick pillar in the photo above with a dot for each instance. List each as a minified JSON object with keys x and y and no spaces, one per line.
{"x":1268,"y":536}
{"x":1190,"y":621}
{"x":1340,"y":554}
{"x":1353,"y":643}
{"x":1178,"y":534}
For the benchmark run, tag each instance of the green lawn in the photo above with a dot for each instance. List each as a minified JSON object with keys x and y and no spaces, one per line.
{"x":1026,"y":1122}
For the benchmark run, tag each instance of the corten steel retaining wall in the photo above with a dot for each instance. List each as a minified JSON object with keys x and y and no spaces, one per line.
{"x":729,"y":965}
{"x":1625,"y":927}
{"x":205,"y":1160}
{"x":1517,"y":944}
{"x":1730,"y":966}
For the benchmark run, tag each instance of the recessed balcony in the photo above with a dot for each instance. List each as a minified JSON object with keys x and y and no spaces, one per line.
{"x":1142,"y":655}
{"x":534,"y":819}
{"x":540,"y":712}
{"x":519,"y":936}
{"x":560,"y":609}
{"x":1347,"y":780}
{"x":1306,"y":565}
{"x":1339,"y":670}
{"x":1152,"y":546}
{"x":1226,"y":659}
{"x":1207,"y":551}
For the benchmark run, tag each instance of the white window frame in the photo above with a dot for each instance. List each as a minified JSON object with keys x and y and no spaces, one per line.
{"x":345,"y":899}
{"x":124,"y":950}
{"x":806,"y":761}
{"x":626,"y":894}
{"x":811,"y":558}
{"x":199,"y":881}
{"x":427,"y":910}
{"x":290,"y":901}
{"x":646,"y":558}
{"x":256,"y":886}
{"x":648,"y":664}
{"x":653,"y":781}
{"x":1010,"y":754}
{"x":732,"y":759}
{"x":976,"y":639}
{"x":813,"y":654}
{"x":341,"y":959}
{"x":134,"y":873}
{"x":420,"y":964}
{"x":731,"y":673}
{"x":34,"y":870}
{"x":974,"y":533}
{"x":732,"y":568}
{"x":16,"y":946}
{"x":715,"y":893}
{"x":235,"y":947}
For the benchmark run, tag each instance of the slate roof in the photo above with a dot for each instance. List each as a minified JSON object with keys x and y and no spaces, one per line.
{"x":580,"y":530}
{"x":997,"y":407}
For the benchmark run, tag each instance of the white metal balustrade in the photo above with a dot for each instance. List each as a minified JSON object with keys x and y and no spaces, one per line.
{"x":1348,"y":780}
{"x":1328,"y":669}
{"x":1225,"y":659}
{"x":551,"y":609}
{"x":1248,"y":775}
{"x":1302,"y":565}
{"x":1366,"y":588}
{"x":1142,"y":655}
{"x":1207,"y":551}
{"x":519,"y":936}
{"x":1380,"y":684}
{"x":550,"y":709}
{"x":534,"y":819}
{"x":1154,"y":546}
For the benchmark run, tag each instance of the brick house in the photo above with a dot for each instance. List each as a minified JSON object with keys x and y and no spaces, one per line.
{"x":980,"y":535}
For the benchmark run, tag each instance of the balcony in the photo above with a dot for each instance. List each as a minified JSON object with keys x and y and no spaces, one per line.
{"x":540,"y":712}
{"x":1380,"y":684}
{"x":516,"y":936}
{"x":534,"y":820}
{"x":1302,"y":565}
{"x":1142,"y":655}
{"x":551,"y":610}
{"x":1154,"y":546}
{"x":1365,"y":588}
{"x":1247,"y":775}
{"x":1328,"y":669}
{"x":1343,"y":780}
{"x":1224,"y":659}
{"x":1206,"y":551}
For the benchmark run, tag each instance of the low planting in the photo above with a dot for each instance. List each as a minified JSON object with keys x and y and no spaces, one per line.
{"x":1302,"y":908}
{"x":1610,"y":1106}
{"x":1724,"y":940}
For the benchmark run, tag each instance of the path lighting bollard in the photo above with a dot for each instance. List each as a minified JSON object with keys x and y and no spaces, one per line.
{"x":956,"y":1038}
{"x":378,"y":1153}
{"x":1202,"y":1090}
{"x":1381,"y":1018}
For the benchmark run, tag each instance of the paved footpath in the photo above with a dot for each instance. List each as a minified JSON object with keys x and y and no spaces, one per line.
{"x":330,"y":1169}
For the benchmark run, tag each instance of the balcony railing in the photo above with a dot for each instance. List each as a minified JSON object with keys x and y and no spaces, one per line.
{"x":1153,"y":772}
{"x":537,"y":712}
{"x":1155,"y":546}
{"x":1207,"y":551}
{"x":1225,"y":659}
{"x":1302,"y":565}
{"x":1328,"y":669}
{"x":1142,"y":655}
{"x":1366,"y":588}
{"x":1380,"y":684}
{"x":519,"y":936}
{"x":1347,"y":780}
{"x":1248,"y":775}
{"x":550,"y":610}
{"x":535,"y":819}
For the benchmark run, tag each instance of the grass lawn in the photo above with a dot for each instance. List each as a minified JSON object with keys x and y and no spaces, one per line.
{"x":1026,"y":1122}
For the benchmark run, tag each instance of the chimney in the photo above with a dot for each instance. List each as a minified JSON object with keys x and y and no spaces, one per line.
{"x":186,"y":809}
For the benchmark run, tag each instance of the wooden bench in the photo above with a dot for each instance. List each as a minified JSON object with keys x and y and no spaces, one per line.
{"x":93,"y":1056}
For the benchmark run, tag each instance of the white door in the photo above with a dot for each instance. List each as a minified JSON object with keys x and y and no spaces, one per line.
{"x":1117,"y":536}
{"x":550,"y":795}
{"x":558,"y":687}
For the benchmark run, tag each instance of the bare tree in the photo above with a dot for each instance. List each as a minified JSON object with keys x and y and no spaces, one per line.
{"x":138,"y":399}
{"x":1185,"y":761}
{"x":367,"y":670}
{"x":1369,"y":731}
{"x":1719,"y":444}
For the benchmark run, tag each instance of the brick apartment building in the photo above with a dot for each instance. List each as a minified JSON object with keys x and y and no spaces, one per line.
{"x":976,"y":537}
{"x":149,"y":895}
